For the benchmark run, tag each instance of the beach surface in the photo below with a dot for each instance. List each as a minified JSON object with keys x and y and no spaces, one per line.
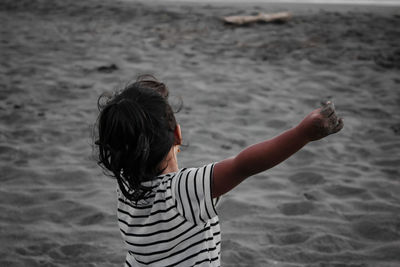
{"x":334,"y":203}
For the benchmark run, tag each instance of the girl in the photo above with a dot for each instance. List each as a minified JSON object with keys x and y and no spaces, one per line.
{"x":167,"y":215}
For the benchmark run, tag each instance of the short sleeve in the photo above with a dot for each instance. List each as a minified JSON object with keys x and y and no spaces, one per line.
{"x":191,"y":191}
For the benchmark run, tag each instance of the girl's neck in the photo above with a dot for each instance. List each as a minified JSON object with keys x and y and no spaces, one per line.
{"x":171,"y":161}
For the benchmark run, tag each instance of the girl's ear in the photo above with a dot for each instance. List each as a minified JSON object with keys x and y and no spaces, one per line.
{"x":178,"y":135}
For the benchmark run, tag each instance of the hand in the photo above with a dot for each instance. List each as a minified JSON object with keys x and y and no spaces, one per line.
{"x":321,"y":123}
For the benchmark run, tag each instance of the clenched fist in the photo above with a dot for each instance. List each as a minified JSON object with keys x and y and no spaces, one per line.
{"x":321,"y":122}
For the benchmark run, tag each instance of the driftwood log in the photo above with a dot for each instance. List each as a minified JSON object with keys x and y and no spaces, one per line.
{"x":262,"y":17}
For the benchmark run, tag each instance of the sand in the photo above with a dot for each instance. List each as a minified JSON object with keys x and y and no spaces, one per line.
{"x":335,"y":203}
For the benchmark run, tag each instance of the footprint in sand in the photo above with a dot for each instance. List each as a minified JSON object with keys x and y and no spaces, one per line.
{"x":72,"y":251}
{"x":378,"y":228}
{"x":306,"y":178}
{"x":36,"y":250}
{"x":93,"y":219}
{"x":292,"y":238}
{"x":296,"y":208}
{"x":344,"y":191}
{"x":328,"y":243}
{"x":107,"y":68}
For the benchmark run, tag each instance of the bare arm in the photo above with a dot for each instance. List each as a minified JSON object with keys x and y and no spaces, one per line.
{"x":265,"y":155}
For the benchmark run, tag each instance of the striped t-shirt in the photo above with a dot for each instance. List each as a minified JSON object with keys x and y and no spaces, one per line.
{"x":177,"y":225}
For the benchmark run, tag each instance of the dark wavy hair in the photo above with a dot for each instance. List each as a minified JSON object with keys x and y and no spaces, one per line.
{"x":135,"y":133}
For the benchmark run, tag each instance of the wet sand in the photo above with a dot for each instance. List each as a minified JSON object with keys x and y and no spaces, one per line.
{"x":335,"y":203}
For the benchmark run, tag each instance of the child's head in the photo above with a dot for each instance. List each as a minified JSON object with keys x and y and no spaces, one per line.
{"x":135,"y":133}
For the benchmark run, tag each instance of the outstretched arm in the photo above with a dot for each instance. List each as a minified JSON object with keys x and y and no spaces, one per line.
{"x":265,"y":155}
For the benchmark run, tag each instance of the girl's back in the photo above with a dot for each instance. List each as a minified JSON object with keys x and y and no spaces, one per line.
{"x":176,"y":225}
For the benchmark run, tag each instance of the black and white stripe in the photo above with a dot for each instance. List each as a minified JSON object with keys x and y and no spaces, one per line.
{"x":176,"y":225}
